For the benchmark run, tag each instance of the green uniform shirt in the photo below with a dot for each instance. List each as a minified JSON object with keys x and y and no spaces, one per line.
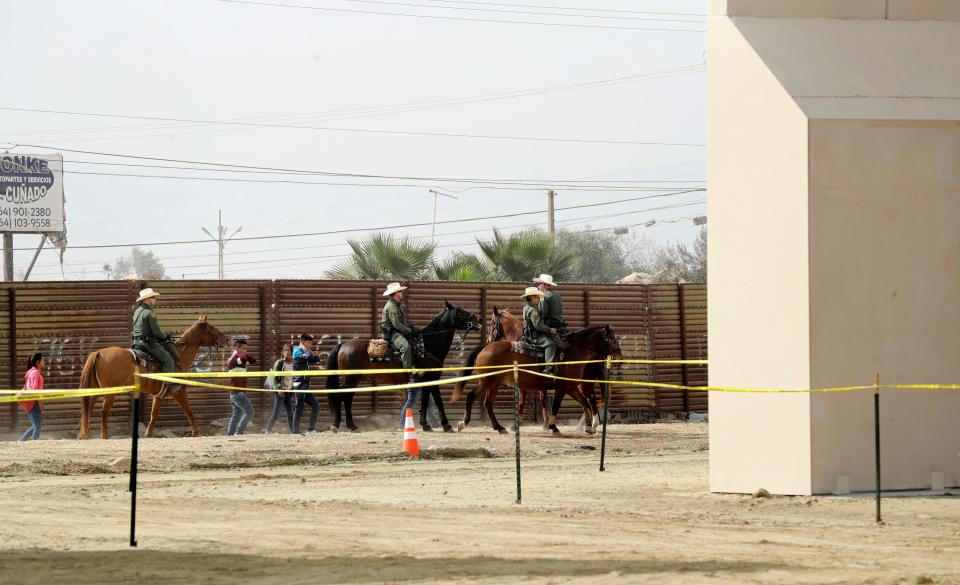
{"x":533,"y":322}
{"x":551,"y":308}
{"x":145,"y":323}
{"x":393,"y":317}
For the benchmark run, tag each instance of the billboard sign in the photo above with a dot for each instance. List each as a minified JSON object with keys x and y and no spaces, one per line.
{"x":31,"y":193}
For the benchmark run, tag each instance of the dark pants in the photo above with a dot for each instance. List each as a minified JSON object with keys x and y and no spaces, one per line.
{"x":302,"y":400}
{"x":287,"y":402}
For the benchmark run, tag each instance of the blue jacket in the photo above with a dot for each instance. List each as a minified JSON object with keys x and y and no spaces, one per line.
{"x":302,"y":358}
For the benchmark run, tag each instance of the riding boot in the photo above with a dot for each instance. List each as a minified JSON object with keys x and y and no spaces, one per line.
{"x":561,"y":344}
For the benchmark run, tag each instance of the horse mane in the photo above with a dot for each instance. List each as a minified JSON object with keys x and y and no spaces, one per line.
{"x":189,"y":335}
{"x":434,"y":324}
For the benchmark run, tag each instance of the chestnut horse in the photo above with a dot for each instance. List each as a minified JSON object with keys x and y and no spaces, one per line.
{"x":592,"y":343}
{"x":507,"y":327}
{"x":352,"y":355}
{"x":113,"y":366}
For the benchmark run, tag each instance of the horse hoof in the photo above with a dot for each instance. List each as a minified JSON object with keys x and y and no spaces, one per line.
{"x":334,"y":429}
{"x":354,"y":430}
{"x":555,"y":430}
{"x":447,"y":428}
{"x":589,"y":430}
{"x":503,"y":431}
{"x":461,"y":426}
{"x":426,"y":428}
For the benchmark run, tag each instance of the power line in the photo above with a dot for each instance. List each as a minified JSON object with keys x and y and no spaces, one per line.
{"x":459,"y":18}
{"x":526,"y":182}
{"x":332,"y":256}
{"x":356,"y":130}
{"x":448,"y":234}
{"x":389,"y":227}
{"x":646,"y":18}
{"x":352,"y":113}
{"x":569,"y":8}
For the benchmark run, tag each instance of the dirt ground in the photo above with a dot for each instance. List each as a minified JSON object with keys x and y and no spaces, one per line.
{"x":351,"y":508}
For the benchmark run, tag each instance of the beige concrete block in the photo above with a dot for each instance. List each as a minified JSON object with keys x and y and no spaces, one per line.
{"x":859,"y":9}
{"x":924,"y":10}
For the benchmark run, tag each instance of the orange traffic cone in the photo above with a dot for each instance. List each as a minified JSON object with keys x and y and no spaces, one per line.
{"x":410,"y":444}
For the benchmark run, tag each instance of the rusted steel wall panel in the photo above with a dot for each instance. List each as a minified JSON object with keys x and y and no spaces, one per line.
{"x":68,"y":320}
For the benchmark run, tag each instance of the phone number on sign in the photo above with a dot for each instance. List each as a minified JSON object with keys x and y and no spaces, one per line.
{"x":20,"y":222}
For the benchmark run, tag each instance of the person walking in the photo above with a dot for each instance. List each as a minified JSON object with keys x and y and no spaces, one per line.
{"x":34,"y":408}
{"x":281,"y":385}
{"x":242,"y":408}
{"x":303,"y":356}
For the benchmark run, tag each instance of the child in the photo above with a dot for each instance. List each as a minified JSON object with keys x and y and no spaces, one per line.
{"x":281,"y":383}
{"x":240,"y":404}
{"x":303,"y":356}
{"x":34,"y":408}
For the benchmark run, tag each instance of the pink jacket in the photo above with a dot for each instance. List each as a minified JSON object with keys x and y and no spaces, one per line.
{"x":34,"y":382}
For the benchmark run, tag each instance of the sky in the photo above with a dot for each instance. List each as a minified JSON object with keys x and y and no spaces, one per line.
{"x":344,"y":115}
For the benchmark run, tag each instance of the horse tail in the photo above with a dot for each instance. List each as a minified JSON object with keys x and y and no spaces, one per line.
{"x":471,"y":361}
{"x":88,"y":379}
{"x":333,"y":382}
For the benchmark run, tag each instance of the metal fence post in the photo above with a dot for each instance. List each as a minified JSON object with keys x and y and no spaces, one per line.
{"x":135,"y":439}
{"x":876,"y":436}
{"x":516,"y":418}
{"x":605,"y":412}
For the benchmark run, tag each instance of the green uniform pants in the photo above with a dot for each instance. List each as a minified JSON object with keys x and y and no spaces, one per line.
{"x":161,"y":355}
{"x":406,"y":352}
{"x":548,"y":346}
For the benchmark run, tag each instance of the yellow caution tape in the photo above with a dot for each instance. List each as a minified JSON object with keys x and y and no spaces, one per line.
{"x":25,"y":395}
{"x":168,"y":378}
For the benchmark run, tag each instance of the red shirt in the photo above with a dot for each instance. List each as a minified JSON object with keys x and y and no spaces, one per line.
{"x":241,"y":362}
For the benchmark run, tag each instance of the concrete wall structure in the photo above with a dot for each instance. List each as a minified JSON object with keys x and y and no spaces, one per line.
{"x":834,"y":177}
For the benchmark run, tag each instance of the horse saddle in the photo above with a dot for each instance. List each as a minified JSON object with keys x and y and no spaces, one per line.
{"x":392,"y":354}
{"x":524,"y":347}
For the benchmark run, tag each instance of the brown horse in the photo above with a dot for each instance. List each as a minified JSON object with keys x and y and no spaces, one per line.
{"x":113,"y":366}
{"x":352,"y":355}
{"x":507,"y":327}
{"x":591,"y":343}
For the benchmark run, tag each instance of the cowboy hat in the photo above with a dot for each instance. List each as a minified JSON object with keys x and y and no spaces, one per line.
{"x":545,"y":279}
{"x":147,"y":293}
{"x":392,"y":288}
{"x":532,"y":291}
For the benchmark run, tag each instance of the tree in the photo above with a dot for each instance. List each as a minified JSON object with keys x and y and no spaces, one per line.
{"x":682,"y":263}
{"x":462,"y":267}
{"x":140,"y":263}
{"x":382,"y":256}
{"x":521,"y":256}
{"x":600,"y":257}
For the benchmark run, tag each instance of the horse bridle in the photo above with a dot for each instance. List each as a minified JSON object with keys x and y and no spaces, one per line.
{"x":467,"y":328}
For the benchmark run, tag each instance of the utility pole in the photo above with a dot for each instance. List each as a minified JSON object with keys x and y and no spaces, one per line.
{"x":8,"y":257}
{"x":550,"y":224}
{"x":436,"y":195}
{"x":221,"y":240}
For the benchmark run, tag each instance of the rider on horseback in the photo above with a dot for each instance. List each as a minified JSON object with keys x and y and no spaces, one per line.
{"x":536,"y":331}
{"x":551,"y":309}
{"x":395,"y":328}
{"x":148,"y":336}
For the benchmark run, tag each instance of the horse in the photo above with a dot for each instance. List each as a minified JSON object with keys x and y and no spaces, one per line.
{"x":506,"y":326}
{"x":114,"y":366}
{"x":592,"y":343}
{"x":352,"y":355}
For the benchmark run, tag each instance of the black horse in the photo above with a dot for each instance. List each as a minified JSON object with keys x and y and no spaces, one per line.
{"x":437,"y":339}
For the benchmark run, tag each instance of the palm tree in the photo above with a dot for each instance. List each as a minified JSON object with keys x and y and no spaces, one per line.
{"x":382,"y":256}
{"x":462,"y":267}
{"x":521,"y":256}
